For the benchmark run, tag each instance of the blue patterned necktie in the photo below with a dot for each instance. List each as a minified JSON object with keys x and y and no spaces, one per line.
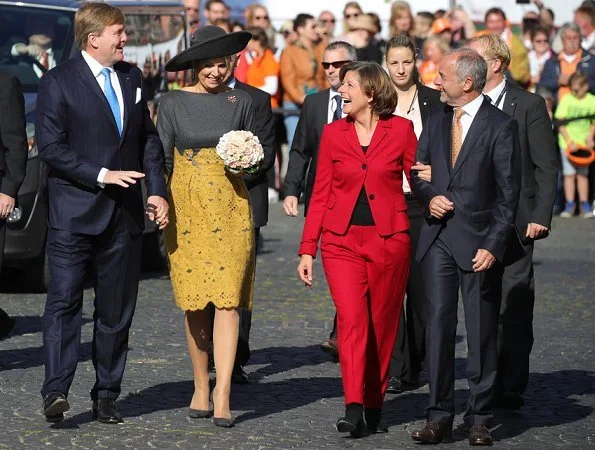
{"x":112,"y":98}
{"x":338,"y":114}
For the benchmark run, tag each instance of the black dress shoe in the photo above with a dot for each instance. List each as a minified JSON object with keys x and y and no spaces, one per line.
{"x":238,"y":376}
{"x":6,"y":324}
{"x":397,"y":385}
{"x":199,"y":413}
{"x":353,"y":422}
{"x":374,"y":422}
{"x":223,"y":422}
{"x":106,"y":411}
{"x":54,"y":406}
{"x":331,"y":347}
{"x":433,"y":432}
{"x":510,"y":400}
{"x":480,"y":435}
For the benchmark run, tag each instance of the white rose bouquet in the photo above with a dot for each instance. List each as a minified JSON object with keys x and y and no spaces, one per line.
{"x":241,"y":151}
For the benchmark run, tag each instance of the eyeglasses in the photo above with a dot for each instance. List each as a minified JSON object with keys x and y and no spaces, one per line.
{"x":335,"y":64}
{"x":327,"y":20}
{"x":349,"y":16}
{"x":261,"y":17}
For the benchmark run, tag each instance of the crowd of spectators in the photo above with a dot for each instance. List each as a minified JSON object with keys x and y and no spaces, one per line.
{"x":286,"y":63}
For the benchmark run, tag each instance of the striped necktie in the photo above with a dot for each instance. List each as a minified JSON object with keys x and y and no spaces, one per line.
{"x":338,"y":114}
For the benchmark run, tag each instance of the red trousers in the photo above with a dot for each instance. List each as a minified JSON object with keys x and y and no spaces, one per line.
{"x":367,"y":275}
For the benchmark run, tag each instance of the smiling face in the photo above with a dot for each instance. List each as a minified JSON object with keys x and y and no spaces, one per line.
{"x":332,"y":62}
{"x":452,"y":90}
{"x":355,"y":101}
{"x":108,"y":47}
{"x":400,"y":62}
{"x":211,"y":73}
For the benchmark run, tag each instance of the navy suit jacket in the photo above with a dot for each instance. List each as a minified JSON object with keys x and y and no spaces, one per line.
{"x":484,"y":184}
{"x":77,"y":135}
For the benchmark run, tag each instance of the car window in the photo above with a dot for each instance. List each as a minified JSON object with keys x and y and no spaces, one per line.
{"x":33,"y":40}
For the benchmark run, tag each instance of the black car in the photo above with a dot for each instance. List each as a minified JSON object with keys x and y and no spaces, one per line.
{"x":22,"y":24}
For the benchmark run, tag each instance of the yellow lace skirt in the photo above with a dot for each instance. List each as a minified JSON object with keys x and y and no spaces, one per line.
{"x":210,"y":237}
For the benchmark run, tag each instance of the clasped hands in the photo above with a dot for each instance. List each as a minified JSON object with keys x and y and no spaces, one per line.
{"x":157,"y":207}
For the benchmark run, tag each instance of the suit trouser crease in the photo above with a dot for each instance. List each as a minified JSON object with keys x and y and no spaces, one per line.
{"x":481,"y":302}
{"x":366,"y":275}
{"x":515,"y":331}
{"x":114,"y":259}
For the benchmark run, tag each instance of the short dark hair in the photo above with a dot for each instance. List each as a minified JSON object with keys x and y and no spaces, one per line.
{"x":209,"y":3}
{"x":350,"y":49}
{"x":587,"y":11}
{"x":495,"y":10}
{"x":539,"y":30}
{"x":300,"y":21}
{"x":376,"y":83}
{"x":426,"y":15}
{"x":259,"y":35}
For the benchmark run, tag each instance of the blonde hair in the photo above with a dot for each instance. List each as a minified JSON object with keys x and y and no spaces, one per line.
{"x":494,"y":47}
{"x":354,"y":5}
{"x":397,"y":10}
{"x":440,"y":42}
{"x":92,"y":18}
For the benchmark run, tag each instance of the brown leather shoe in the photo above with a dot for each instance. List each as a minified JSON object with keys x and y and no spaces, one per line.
{"x":433,"y":432}
{"x":330,"y":346}
{"x":480,"y":435}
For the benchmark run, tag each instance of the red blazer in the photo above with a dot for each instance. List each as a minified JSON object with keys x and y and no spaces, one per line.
{"x":343,"y":168}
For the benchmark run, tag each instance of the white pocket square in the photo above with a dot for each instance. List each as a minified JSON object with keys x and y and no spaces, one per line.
{"x":138,"y":96}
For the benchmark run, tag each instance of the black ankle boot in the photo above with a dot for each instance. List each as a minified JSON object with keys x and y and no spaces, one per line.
{"x":374,"y":423}
{"x":353,"y":422}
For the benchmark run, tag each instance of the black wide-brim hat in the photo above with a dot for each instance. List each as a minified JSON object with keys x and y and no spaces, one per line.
{"x":206,"y":43}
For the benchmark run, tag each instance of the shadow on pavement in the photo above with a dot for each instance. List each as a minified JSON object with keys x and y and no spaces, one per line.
{"x":548,"y":403}
{"x":283,"y":359}
{"x":26,"y":358}
{"x":32,"y":324}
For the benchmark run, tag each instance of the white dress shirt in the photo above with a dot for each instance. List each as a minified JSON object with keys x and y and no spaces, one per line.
{"x":470,"y":109}
{"x":36,"y":69}
{"x":494,"y":94}
{"x":332,"y":106}
{"x":96,"y":69}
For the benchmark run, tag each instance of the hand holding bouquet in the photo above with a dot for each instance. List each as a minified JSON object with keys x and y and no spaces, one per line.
{"x":241,"y":152}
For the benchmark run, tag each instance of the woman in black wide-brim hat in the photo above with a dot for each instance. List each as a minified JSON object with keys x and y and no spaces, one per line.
{"x":210,"y":239}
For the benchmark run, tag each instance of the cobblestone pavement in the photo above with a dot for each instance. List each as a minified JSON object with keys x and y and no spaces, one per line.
{"x":296,"y":395}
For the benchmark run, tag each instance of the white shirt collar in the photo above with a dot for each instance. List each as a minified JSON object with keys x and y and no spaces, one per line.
{"x":332,"y":94}
{"x":495,"y":93}
{"x":588,"y":41}
{"x":94,"y":65}
{"x":231,"y":82}
{"x":473,"y":106}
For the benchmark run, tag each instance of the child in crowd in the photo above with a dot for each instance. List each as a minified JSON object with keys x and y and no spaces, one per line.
{"x":435,"y":47}
{"x":574,"y":135}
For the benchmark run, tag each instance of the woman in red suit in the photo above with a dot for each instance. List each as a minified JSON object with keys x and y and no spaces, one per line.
{"x":359,"y":208}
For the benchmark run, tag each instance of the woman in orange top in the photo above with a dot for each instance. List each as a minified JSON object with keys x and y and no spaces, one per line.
{"x":263,"y":68}
{"x":435,"y":47}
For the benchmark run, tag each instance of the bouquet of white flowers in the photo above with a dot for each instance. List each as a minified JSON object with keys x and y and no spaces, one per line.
{"x":241,"y":151}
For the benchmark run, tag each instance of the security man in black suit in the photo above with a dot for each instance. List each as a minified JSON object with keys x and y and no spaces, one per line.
{"x":539,"y":163}
{"x":258,"y":190}
{"x":318,"y":110}
{"x":13,"y":161}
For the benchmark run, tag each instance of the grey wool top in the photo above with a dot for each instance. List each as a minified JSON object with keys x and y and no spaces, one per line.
{"x":189,"y":120}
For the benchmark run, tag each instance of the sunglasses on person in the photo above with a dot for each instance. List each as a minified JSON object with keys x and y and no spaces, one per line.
{"x":327,"y":20}
{"x":335,"y":64}
{"x":349,"y":16}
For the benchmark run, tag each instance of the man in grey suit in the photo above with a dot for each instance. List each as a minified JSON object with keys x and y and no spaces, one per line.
{"x":318,"y":110}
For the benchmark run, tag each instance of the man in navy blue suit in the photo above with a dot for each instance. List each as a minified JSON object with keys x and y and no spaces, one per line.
{"x":94,"y":132}
{"x":470,"y":205}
